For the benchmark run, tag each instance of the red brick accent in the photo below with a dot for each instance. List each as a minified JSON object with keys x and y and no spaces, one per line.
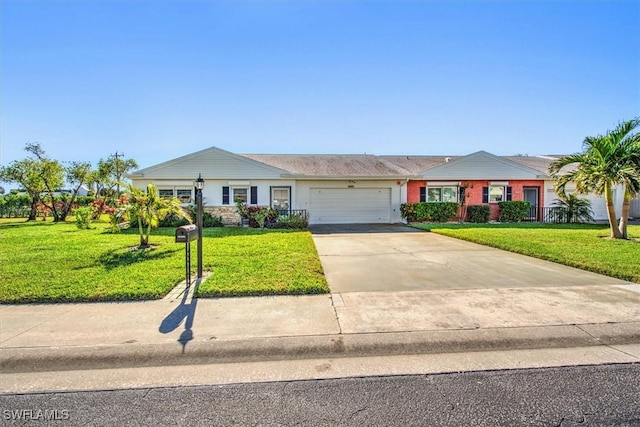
{"x":474,"y":192}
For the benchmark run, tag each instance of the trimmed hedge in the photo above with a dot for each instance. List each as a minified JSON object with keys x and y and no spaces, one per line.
{"x":478,"y":213}
{"x":429,"y":211}
{"x":514,"y":210}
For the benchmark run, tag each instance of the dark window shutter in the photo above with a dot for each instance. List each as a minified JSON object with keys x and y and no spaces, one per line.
{"x":225,"y":195}
{"x":423,"y":194}
{"x":254,"y":195}
{"x":509,"y":193}
{"x":485,"y":194}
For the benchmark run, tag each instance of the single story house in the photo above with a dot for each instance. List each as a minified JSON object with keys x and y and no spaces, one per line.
{"x":361,"y":188}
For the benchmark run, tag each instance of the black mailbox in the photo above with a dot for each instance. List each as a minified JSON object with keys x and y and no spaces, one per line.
{"x":186,"y":233}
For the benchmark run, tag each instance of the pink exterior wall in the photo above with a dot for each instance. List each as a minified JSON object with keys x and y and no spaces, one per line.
{"x":474,"y":192}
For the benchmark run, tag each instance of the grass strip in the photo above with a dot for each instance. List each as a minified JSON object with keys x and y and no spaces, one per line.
{"x":584,"y":246}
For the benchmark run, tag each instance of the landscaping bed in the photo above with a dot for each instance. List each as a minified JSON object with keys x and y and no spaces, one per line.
{"x":47,"y":262}
{"x":585,"y":246}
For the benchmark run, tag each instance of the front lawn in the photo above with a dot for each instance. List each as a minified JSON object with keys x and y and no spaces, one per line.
{"x":585,"y":246}
{"x":46,"y":262}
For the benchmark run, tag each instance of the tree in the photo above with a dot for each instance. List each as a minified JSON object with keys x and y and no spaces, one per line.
{"x":572,"y":208}
{"x":606,"y":161}
{"x":53,"y":175}
{"x":109,"y":175}
{"x":147,"y":208}
{"x":32,"y":174}
{"x":76,"y":174}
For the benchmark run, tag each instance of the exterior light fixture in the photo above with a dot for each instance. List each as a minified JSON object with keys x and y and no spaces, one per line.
{"x":199,"y":183}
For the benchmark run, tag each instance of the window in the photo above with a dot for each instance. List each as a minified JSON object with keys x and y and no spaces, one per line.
{"x":280,"y":198}
{"x":496,"y":194}
{"x":442,"y":194}
{"x":184,"y":194}
{"x":239,"y":195}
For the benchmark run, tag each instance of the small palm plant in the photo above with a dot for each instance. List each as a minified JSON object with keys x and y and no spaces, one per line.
{"x":147,"y":208}
{"x":572,"y":208}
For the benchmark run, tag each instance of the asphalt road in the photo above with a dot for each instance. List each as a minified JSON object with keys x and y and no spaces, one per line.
{"x":569,"y":396}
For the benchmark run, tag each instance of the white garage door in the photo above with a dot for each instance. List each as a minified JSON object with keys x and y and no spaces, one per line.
{"x":350,"y":205}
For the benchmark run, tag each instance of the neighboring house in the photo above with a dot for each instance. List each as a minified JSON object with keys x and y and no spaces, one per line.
{"x":363,"y":188}
{"x":485,"y":179}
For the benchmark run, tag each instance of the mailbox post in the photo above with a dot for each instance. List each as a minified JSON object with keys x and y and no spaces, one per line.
{"x":199,"y":183}
{"x":185,"y":234}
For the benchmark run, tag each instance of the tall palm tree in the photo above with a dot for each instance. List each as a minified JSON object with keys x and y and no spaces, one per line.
{"x":148,"y":208}
{"x":606,"y":161}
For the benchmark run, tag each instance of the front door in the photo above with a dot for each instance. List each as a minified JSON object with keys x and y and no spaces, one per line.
{"x":531,"y":196}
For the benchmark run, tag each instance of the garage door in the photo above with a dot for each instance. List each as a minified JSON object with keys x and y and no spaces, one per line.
{"x":350,"y":205}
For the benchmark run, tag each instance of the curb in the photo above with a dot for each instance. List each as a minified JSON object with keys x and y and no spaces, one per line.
{"x":42,"y":359}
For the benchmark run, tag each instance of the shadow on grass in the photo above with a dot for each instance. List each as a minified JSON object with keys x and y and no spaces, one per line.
{"x":112,"y":260}
{"x":21,"y":222}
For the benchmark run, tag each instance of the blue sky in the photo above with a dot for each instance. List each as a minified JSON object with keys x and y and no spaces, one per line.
{"x":161,"y":79}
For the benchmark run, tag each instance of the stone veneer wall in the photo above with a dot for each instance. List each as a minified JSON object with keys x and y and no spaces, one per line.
{"x":229,"y":214}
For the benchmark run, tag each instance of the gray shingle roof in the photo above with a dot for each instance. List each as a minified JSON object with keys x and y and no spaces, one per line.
{"x":368,"y":165}
{"x":331,"y":165}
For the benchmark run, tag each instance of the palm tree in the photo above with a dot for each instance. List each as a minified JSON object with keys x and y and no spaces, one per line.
{"x":148,"y":208}
{"x":606,"y":161}
{"x":573,"y":208}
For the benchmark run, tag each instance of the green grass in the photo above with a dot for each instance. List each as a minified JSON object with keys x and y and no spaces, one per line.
{"x":585,"y":246}
{"x":46,"y":262}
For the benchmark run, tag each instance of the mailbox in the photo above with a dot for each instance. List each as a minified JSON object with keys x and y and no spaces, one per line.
{"x":186,"y":233}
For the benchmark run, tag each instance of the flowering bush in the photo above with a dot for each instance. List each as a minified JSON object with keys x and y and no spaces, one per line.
{"x":258,"y":216}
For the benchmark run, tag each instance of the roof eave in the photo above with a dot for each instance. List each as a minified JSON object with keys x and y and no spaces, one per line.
{"x":348,"y":177}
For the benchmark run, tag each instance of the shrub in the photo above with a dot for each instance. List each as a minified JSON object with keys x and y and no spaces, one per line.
{"x":423,"y":211}
{"x":514,"y":210}
{"x":408,"y":212}
{"x":173,"y":221}
{"x":82,"y":201}
{"x":99,"y":206}
{"x":83,"y":217}
{"x":258,"y":216}
{"x":478,"y":213}
{"x":208,"y":220}
{"x":15,"y":205}
{"x":295,"y":220}
{"x":117,"y":220}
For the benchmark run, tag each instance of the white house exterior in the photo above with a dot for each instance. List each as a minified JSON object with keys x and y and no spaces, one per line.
{"x":331,"y":188}
{"x":322,"y":187}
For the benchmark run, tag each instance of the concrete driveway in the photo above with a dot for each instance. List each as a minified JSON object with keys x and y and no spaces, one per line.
{"x":391,"y":278}
{"x":392,"y":258}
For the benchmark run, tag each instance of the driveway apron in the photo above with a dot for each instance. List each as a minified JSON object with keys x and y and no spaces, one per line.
{"x":395,"y":278}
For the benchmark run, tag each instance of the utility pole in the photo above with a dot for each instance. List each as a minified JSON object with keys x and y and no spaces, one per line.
{"x":118,"y":173}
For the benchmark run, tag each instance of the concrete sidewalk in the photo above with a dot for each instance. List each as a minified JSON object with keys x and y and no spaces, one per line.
{"x":181,"y":331}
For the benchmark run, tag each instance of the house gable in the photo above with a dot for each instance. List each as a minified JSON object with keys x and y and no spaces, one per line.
{"x":212,"y":163}
{"x":480,"y":166}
